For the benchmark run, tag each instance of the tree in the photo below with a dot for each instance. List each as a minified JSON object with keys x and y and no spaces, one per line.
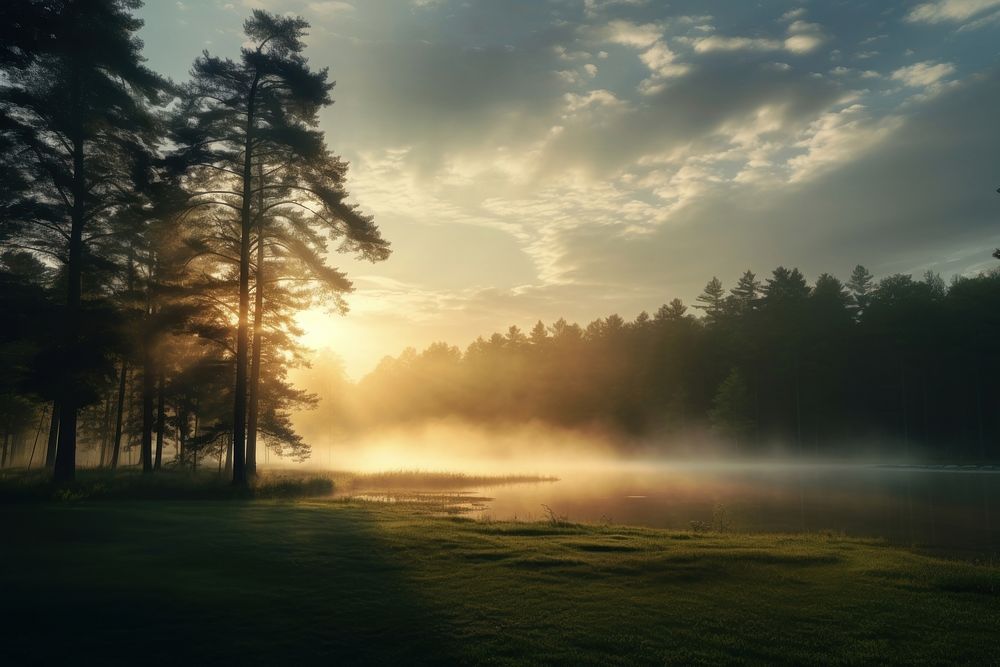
{"x":936,"y":284}
{"x":732,"y":413}
{"x":785,"y":287}
{"x":712,"y":299}
{"x":800,"y":367}
{"x":746,"y":291}
{"x":829,"y":289}
{"x":675,"y":310}
{"x":860,"y":285}
{"x":79,"y":106}
{"x":539,"y":334}
{"x":246,"y":132}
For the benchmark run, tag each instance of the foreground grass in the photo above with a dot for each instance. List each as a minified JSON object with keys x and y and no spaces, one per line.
{"x":268,"y":582}
{"x":166,"y":484}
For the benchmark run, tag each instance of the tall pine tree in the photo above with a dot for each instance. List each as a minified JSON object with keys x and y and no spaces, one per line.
{"x":249,"y":147}
{"x":78,"y":102}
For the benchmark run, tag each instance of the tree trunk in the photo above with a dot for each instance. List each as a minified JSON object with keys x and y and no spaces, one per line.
{"x":194,"y":462}
{"x":242,"y":332}
{"x":798,"y":409}
{"x":148,"y":389}
{"x":117,"y":445}
{"x":15,"y":444}
{"x":116,"y":452}
{"x":38,"y":434}
{"x":229,"y":456}
{"x":902,"y":404}
{"x":161,"y":420}
{"x":50,"y":448}
{"x":65,"y":462}
{"x":148,"y":371}
{"x":258,"y":319}
{"x":106,"y":430}
{"x":182,"y":418}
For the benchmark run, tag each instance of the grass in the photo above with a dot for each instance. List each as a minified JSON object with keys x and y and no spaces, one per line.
{"x":166,"y":484}
{"x":342,"y":582}
{"x":414,"y":480}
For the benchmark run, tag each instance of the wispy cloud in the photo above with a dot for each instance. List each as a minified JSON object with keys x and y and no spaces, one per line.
{"x":802,"y":37}
{"x":923,"y":74}
{"x":950,"y":11}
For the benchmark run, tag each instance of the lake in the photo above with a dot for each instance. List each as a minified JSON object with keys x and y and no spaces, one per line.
{"x":940,"y":509}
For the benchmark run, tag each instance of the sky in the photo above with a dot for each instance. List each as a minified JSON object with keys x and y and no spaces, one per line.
{"x":538,"y":159}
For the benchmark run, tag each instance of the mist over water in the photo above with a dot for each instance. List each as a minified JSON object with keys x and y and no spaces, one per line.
{"x":937,"y":509}
{"x":702,"y":484}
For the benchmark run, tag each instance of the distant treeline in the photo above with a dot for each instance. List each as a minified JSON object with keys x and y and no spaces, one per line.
{"x":902,"y":362}
{"x":157,"y":240}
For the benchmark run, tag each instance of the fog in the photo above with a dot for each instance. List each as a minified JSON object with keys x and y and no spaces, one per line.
{"x":457,"y":446}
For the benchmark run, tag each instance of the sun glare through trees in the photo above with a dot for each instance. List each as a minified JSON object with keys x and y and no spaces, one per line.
{"x":512,"y":332}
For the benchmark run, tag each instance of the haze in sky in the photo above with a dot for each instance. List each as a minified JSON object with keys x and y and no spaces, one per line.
{"x":572,"y":158}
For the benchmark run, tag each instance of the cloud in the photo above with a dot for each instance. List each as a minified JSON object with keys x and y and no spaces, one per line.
{"x":720,"y":43}
{"x":949,"y":11}
{"x":662,"y":64}
{"x":537,"y":158}
{"x":599,"y":98}
{"x":802,"y":38}
{"x":594,"y":7}
{"x":631,"y":34}
{"x":329,"y":7}
{"x":923,"y":74}
{"x":838,"y":137}
{"x":876,"y":204}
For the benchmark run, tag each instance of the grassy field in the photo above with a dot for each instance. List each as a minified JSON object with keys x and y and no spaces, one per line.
{"x":103,"y":484}
{"x":333,"y":582}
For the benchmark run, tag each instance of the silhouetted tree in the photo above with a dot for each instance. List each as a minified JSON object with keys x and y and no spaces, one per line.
{"x":78,"y":102}
{"x":731,"y":411}
{"x":246,"y":132}
{"x":712,"y":300}
{"x":860,"y":285}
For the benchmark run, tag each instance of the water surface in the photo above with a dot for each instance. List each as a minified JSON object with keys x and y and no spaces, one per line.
{"x":942,"y":509}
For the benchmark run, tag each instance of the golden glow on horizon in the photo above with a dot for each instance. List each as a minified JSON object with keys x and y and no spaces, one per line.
{"x":358,"y":345}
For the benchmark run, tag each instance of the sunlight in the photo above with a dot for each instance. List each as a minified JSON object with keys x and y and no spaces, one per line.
{"x":352,"y":338}
{"x":549,"y":332}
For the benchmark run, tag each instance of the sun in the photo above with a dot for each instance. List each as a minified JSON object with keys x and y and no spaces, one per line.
{"x":358,"y":342}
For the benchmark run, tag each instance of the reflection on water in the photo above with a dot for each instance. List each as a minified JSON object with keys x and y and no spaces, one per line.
{"x":940,"y":509}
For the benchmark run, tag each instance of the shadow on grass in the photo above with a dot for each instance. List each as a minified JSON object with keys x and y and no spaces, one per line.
{"x":207,"y":583}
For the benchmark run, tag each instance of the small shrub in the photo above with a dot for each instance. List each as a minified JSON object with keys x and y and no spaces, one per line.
{"x":553,"y":518}
{"x":700,"y":526}
{"x":722,"y":521}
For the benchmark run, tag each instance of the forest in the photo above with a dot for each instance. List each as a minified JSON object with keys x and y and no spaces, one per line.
{"x":157,"y":239}
{"x":824,"y":369}
{"x":790,"y":468}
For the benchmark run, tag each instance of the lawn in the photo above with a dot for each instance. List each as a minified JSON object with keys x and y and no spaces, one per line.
{"x":334,"y":582}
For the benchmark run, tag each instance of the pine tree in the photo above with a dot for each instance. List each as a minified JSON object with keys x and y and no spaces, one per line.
{"x":785,"y":287}
{"x":712,"y":299}
{"x":249,"y":145}
{"x":731,"y":412}
{"x":78,"y":102}
{"x":746,"y":292}
{"x":539,"y":334}
{"x":675,"y":310}
{"x":860,"y":284}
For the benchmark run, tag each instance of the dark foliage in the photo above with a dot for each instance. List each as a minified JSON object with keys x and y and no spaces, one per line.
{"x":902,"y":362}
